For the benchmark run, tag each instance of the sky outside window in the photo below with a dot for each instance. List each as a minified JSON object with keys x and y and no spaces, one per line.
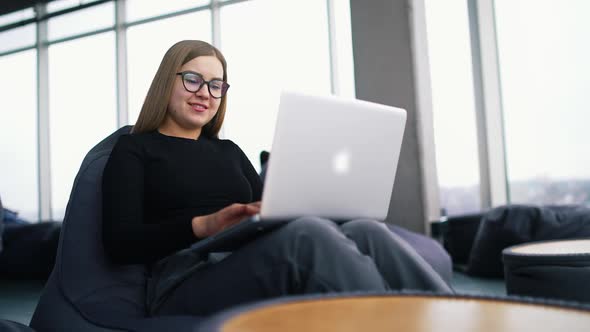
{"x":271,"y":45}
{"x":18,"y":137}
{"x":82,"y":107}
{"x":545,"y":75}
{"x":453,"y":102}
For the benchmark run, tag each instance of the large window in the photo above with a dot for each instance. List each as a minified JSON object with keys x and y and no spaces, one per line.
{"x":142,"y":9}
{"x":147,"y":44}
{"x":18,"y":143}
{"x":343,"y":50}
{"x":17,"y":38}
{"x":17,"y":16}
{"x":22,"y":36}
{"x":58,"y":5}
{"x":545,"y":75}
{"x":82,"y":107}
{"x":453,"y":105}
{"x":269,"y":48}
{"x":81,"y":21}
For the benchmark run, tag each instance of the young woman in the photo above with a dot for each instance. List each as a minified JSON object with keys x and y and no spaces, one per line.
{"x":172,"y":181}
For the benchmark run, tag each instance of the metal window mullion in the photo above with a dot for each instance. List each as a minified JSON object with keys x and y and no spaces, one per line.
{"x":46,"y":16}
{"x":488,"y":100}
{"x":80,"y":35}
{"x":167,"y":15}
{"x":216,"y":38}
{"x":43,"y":126}
{"x":18,"y":50}
{"x":215,"y":23}
{"x":424,"y":113}
{"x":121,"y":60}
{"x":484,"y":169}
{"x":333,"y":48}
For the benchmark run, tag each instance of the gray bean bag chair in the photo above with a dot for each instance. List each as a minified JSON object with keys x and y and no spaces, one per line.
{"x":429,"y":249}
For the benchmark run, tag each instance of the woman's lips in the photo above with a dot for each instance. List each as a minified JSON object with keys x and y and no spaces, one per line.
{"x":198,"y":107}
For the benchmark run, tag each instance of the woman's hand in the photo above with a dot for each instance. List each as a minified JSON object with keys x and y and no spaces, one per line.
{"x":211,"y":224}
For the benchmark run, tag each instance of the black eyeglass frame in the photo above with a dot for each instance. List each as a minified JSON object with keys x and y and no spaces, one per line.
{"x":224,"y":83}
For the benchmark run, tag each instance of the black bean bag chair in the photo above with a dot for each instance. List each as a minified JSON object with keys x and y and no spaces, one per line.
{"x":85,"y":291}
{"x":27,"y":250}
{"x":510,"y":225}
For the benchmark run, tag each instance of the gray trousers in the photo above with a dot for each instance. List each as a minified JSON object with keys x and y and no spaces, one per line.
{"x":307,"y":255}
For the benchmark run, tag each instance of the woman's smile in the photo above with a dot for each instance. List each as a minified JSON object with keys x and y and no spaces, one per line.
{"x":198,"y":107}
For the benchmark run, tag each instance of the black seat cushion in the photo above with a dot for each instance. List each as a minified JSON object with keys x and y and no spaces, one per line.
{"x":561,"y":274}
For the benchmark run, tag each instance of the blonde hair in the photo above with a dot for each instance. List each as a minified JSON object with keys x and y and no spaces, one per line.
{"x":156,"y":101}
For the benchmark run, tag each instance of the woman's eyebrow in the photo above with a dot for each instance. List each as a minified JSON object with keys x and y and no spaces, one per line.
{"x":212,"y":78}
{"x":198,"y":73}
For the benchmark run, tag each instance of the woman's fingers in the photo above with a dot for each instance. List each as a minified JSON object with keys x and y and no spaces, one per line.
{"x":229,"y":216}
{"x":252,"y":209}
{"x":241,"y":211}
{"x":236,"y":213}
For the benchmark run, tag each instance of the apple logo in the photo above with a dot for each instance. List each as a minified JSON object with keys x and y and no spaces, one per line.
{"x":341,"y":162}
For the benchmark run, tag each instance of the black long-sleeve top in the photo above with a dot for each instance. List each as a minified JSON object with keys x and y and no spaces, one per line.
{"x":153,"y":185}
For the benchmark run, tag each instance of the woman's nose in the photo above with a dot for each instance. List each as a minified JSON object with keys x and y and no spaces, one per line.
{"x":203,"y":92}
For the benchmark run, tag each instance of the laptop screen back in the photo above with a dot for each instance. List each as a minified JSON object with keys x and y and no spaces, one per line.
{"x":332,"y":157}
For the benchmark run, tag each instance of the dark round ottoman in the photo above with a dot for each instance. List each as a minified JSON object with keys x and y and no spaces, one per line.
{"x":550,"y":269}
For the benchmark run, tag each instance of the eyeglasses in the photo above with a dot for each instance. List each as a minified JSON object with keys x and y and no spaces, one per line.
{"x":193,"y":82}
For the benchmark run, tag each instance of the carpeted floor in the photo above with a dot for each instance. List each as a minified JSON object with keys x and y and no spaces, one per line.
{"x":464,"y":284}
{"x":18,"y":298}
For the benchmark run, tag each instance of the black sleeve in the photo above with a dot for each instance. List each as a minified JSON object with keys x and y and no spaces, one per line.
{"x":127,"y":238}
{"x":251,"y":175}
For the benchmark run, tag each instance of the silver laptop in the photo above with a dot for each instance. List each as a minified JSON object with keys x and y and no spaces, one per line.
{"x":331,"y":157}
